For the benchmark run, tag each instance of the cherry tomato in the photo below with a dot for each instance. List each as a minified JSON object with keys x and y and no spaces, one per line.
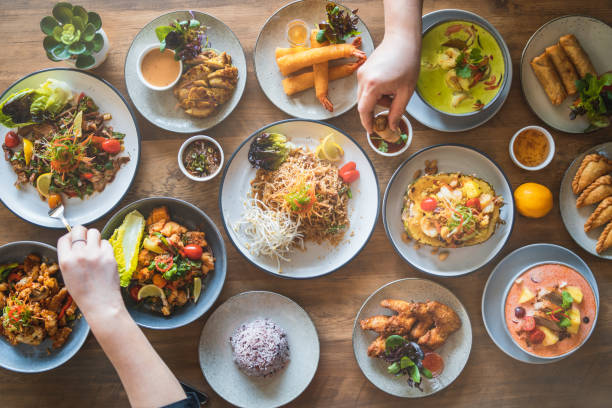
{"x":112,"y":146}
{"x":54,"y":200}
{"x":88,"y":176}
{"x":350,"y":175}
{"x":434,"y":363}
{"x":536,"y":336}
{"x":347,"y":167}
{"x":11,"y":139}
{"x":192,"y":251}
{"x":134,"y":292}
{"x":429,"y":204}
{"x":474,"y":203}
{"x":528,"y":323}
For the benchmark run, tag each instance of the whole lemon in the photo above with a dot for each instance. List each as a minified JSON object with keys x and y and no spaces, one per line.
{"x":533,"y":200}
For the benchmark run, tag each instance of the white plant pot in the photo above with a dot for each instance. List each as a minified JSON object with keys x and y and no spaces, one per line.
{"x":99,"y":56}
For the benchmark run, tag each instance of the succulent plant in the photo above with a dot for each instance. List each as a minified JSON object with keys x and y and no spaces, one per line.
{"x":72,"y":33}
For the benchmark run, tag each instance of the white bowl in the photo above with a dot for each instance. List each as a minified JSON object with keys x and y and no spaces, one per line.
{"x":187,"y":143}
{"x":551,"y":151}
{"x":406,"y":145}
{"x":144,"y":81}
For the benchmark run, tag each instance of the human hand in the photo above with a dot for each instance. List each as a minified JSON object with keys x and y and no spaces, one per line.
{"x":90,"y":272}
{"x":391,"y":71}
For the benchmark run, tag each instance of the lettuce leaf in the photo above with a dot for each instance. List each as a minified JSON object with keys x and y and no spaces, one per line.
{"x":126,"y":245}
{"x":15,"y":110}
{"x":50,"y":98}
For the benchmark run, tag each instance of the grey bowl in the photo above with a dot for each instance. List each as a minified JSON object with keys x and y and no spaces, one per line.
{"x":24,"y":358}
{"x":191,"y":217}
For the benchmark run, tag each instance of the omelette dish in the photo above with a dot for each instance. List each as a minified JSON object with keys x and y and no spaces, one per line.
{"x":451,"y":210}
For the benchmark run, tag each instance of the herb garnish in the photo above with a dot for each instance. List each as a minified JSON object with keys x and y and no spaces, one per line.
{"x":187,"y":38}
{"x":339,"y":26}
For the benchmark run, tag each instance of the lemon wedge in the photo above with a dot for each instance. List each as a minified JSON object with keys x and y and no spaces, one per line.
{"x":28,"y":150}
{"x":330,"y":150}
{"x":150,"y":291}
{"x":197,"y":289}
{"x":43,"y":182}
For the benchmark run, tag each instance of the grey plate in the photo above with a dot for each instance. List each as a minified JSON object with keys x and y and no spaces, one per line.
{"x":223,"y":375}
{"x":342,"y":92}
{"x":159,"y":107}
{"x":574,"y":218}
{"x":454,"y":352}
{"x":451,"y":158}
{"x":494,"y":294}
{"x":430,"y":117}
{"x":594,"y":36}
{"x":193,"y":218}
{"x":24,"y":358}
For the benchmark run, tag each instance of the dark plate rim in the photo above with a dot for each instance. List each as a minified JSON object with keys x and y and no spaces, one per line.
{"x":227,"y":165}
{"x":138,"y":137}
{"x":414,"y":156}
{"x":78,"y":345}
{"x":168,"y":325}
{"x":527,"y":44}
{"x":199,"y":129}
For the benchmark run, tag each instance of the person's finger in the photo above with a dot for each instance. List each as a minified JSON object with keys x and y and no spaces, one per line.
{"x":397,"y":109}
{"x":366,"y":105}
{"x":64,"y":244}
{"x":93,"y":238}
{"x":79,"y":236}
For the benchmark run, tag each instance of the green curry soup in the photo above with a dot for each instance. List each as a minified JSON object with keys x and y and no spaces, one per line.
{"x":462,"y":67}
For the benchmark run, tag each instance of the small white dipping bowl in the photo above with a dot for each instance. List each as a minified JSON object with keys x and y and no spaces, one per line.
{"x":182,"y":150}
{"x":551,"y":150}
{"x":144,"y":81}
{"x":403,"y":149}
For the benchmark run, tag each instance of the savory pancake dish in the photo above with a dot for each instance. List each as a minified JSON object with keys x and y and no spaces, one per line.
{"x":451,"y":210}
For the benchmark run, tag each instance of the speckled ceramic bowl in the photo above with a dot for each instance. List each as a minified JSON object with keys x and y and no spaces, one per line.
{"x":193,"y":218}
{"x":455,"y":351}
{"x":224,"y":376}
{"x":24,"y":358}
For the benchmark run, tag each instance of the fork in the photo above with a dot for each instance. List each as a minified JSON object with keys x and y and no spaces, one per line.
{"x":58,"y":213}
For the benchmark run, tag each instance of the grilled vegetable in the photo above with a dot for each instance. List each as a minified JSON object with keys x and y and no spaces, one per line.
{"x":268,"y":151}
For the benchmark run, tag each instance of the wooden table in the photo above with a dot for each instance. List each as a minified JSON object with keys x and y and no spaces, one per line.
{"x":491,"y":378}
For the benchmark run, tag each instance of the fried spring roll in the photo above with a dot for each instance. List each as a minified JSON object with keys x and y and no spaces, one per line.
{"x":281,"y":52}
{"x":301,"y":82}
{"x":549,"y":79}
{"x":564,"y":67}
{"x":576,"y":54}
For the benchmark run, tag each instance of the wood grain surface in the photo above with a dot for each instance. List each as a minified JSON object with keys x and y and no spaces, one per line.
{"x":491,"y":378}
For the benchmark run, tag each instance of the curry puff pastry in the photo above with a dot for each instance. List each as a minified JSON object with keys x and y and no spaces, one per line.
{"x":601,"y":215}
{"x":597,"y":191}
{"x":593,"y":166}
{"x":605,"y":239}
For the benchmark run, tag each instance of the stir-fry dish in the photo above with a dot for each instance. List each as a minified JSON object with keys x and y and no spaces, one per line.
{"x":35,"y":305}
{"x":296,"y":196}
{"x":451,"y":210}
{"x":63,"y":144}
{"x":164,"y":270}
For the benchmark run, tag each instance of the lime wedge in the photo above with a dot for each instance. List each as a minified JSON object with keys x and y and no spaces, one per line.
{"x":43,"y":182}
{"x":150,"y":291}
{"x":197,"y":289}
{"x":77,"y":125}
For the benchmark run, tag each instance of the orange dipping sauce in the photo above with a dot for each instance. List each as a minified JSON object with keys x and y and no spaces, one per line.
{"x":297,"y":33}
{"x":549,"y":277}
{"x":531,"y":147}
{"x":160,"y":68}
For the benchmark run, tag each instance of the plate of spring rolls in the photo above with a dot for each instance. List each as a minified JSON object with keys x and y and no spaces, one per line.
{"x":560,"y":59}
{"x":305,"y":67}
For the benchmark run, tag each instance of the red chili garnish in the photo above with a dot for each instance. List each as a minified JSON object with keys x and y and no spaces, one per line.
{"x":88,"y":176}
{"x":66,"y":306}
{"x":491,"y":80}
{"x":163,"y":263}
{"x":455,"y":28}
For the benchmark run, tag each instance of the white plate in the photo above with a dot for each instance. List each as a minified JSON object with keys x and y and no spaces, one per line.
{"x":342,"y":92}
{"x":594,"y":36}
{"x":25,"y":202}
{"x":224,"y":376}
{"x":430,"y":117}
{"x":316,"y":260}
{"x":159,"y":107}
{"x":454,"y":352}
{"x":451,"y":158}
{"x":494,"y":294}
{"x":574,"y":218}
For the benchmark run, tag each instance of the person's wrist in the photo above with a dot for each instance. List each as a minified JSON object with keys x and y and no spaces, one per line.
{"x":101,"y":315}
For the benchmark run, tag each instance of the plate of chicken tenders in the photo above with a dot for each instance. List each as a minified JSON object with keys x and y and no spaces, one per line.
{"x":586,"y":200}
{"x":564,"y":63}
{"x":412,"y":338}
